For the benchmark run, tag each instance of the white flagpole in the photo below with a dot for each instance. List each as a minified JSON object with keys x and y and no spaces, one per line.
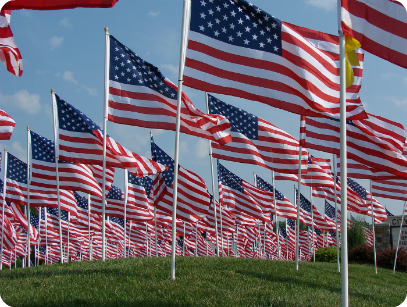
{"x":126,"y":191}
{"x":4,"y":205}
{"x":275,"y":208}
{"x":398,"y":241}
{"x":155,"y":216}
{"x":297,"y":230}
{"x":177,"y":124}
{"x":183,"y":243}
{"x":46,"y":235}
{"x":39,"y":235}
{"x":90,"y":243}
{"x":312,"y":223}
{"x":336,"y":214}
{"x":213,"y":182}
{"x":105,"y":115}
{"x":344,"y":163}
{"x":196,"y":239}
{"x":67,"y":253}
{"x":56,"y":145}
{"x":28,"y":194}
{"x":373,"y":227}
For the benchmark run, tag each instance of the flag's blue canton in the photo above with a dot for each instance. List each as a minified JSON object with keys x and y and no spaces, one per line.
{"x":229,"y":179}
{"x":317,"y":231}
{"x":117,"y":220}
{"x":332,"y":234}
{"x":389,"y":213}
{"x":348,"y":121}
{"x":357,"y":188}
{"x":114,"y":193}
{"x":368,"y":226}
{"x":329,"y":210}
{"x":145,"y":182}
{"x":283,"y":232}
{"x":42,"y":149}
{"x":41,"y":213}
{"x":71,"y":119}
{"x":240,"y":120}
{"x":180,"y":243}
{"x":291,"y":224}
{"x":128,"y":68}
{"x":1,"y":187}
{"x":81,"y":202}
{"x":41,"y":249}
{"x":16,"y":169}
{"x":34,"y":220}
{"x":161,"y":157}
{"x":237,"y":23}
{"x":304,"y":203}
{"x":268,"y":187}
{"x":54,"y":212}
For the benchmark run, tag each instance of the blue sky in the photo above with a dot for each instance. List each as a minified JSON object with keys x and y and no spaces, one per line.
{"x":64,"y":50}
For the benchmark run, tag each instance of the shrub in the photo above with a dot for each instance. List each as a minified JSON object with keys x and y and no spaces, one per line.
{"x":361,"y":254}
{"x":326,"y":254}
{"x":356,"y":235}
{"x":386,"y":259}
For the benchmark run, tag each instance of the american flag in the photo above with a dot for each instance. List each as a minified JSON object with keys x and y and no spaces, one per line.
{"x":139,"y":189}
{"x":379,"y":26}
{"x":6,"y":122}
{"x":193,"y":195}
{"x":235,"y":48}
{"x":389,"y":213}
{"x":9,"y":234}
{"x":284,"y":208}
{"x":81,"y":141}
{"x":376,"y":142}
{"x":330,"y":215}
{"x":72,"y":176}
{"x":16,"y":180}
{"x":256,"y":141}
{"x":84,"y":214}
{"x":97,"y":171}
{"x":394,"y":189}
{"x":9,"y":53}
{"x":117,"y":230}
{"x":234,"y":192}
{"x":139,"y":95}
{"x":358,"y":170}
{"x":21,"y":219}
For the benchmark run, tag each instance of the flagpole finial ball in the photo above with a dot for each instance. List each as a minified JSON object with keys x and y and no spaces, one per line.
{"x":106,"y":29}
{"x":52,"y":91}
{"x":28,"y":127}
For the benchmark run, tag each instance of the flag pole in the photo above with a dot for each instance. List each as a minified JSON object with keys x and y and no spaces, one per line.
{"x":275,"y":208}
{"x":374,"y":234}
{"x":90,"y":243}
{"x":336,"y":214}
{"x":28,"y":195}
{"x":155,"y":217}
{"x":105,"y":115}
{"x":183,"y":242}
{"x":398,"y":241}
{"x":297,"y":230}
{"x":126,"y":191}
{"x":56,"y":146}
{"x":213,"y":182}
{"x":343,"y":160}
{"x":4,"y":205}
{"x":312,"y":225}
{"x":177,"y":125}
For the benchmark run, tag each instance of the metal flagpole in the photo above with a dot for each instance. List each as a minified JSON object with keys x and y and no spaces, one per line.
{"x":213,"y":182}
{"x":4,"y":205}
{"x":374,"y":234}
{"x":126,"y":191}
{"x":105,"y":115}
{"x":155,"y":216}
{"x":297,"y":230}
{"x":56,"y":145}
{"x":28,"y":195}
{"x":336,"y":214}
{"x":183,"y":243}
{"x":196,"y":239}
{"x":46,"y":235}
{"x":67,"y":252}
{"x":275,"y":208}
{"x":343,"y":160}
{"x":177,"y":125}
{"x":398,"y":241}
{"x":312,"y":223}
{"x":90,"y":243}
{"x":39,"y":235}
{"x":221,"y":228}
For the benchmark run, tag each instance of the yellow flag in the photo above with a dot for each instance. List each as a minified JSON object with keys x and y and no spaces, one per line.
{"x":351,"y":58}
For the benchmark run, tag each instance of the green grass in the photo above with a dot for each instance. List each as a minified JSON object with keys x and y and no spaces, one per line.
{"x":199,"y":282}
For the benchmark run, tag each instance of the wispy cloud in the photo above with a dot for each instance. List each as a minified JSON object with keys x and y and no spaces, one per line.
{"x":22,"y":100}
{"x":153,"y":14}
{"x":65,"y":23}
{"x":16,"y":149}
{"x":68,"y":76}
{"x":400,"y":102}
{"x":388,"y":75}
{"x":56,"y":41}
{"x":328,"y":5}
{"x":202,"y":148}
{"x":91,"y":91}
{"x":172,"y":68}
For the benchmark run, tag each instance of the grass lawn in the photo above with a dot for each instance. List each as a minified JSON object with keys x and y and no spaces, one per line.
{"x":199,"y":282}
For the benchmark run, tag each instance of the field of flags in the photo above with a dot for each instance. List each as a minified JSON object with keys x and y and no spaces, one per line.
{"x":63,"y":205}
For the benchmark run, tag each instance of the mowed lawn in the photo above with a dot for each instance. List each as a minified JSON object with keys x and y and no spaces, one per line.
{"x":199,"y":282}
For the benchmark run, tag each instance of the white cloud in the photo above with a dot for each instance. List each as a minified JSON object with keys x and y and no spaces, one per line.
{"x":388,"y":75}
{"x":202,"y":148}
{"x":56,"y":41}
{"x":23,"y":100}
{"x":68,"y":76}
{"x":91,"y":91}
{"x":402,"y":103}
{"x":328,"y":5}
{"x":183,"y":147}
{"x":154,"y":14}
{"x":172,"y":68}
{"x":65,"y":23}
{"x":16,"y":149}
